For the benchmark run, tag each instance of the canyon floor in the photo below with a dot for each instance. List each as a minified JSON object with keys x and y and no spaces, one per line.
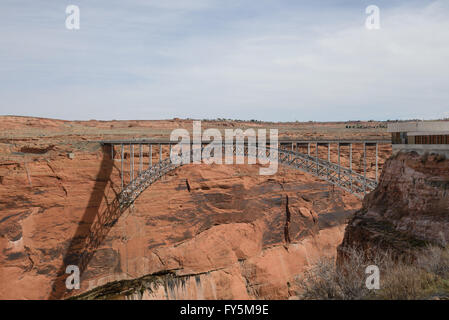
{"x":201,"y":232}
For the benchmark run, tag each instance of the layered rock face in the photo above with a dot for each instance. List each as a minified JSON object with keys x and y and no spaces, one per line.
{"x":204,"y":231}
{"x":201,"y":232}
{"x":409,"y":208}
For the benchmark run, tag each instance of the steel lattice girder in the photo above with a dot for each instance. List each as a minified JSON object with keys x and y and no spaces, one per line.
{"x":345,"y":178}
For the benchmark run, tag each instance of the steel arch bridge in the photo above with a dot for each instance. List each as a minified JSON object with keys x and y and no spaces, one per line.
{"x":286,"y":154}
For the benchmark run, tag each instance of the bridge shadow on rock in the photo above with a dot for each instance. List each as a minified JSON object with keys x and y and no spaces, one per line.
{"x":97,"y":221}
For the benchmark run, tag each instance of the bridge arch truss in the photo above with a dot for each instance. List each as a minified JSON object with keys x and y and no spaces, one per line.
{"x":287,"y":153}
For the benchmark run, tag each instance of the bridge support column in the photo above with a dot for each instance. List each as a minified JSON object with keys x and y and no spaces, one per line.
{"x":112,"y":152}
{"x":377,"y":162}
{"x":339,"y":163}
{"x":316,"y":157}
{"x":364,"y":168}
{"x":350,"y":156}
{"x":160,"y":153}
{"x":350,"y":163}
{"x":150,"y":155}
{"x":140,"y":159}
{"x":121,"y":164}
{"x":132,"y":162}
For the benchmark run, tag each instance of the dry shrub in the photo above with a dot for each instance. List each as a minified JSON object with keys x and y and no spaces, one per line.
{"x":347,"y":282}
{"x":424,"y":276}
{"x":403,"y":282}
{"x":435,"y":260}
{"x":321,"y":281}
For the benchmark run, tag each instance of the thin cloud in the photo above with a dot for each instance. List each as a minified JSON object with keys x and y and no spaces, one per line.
{"x":269,"y":60}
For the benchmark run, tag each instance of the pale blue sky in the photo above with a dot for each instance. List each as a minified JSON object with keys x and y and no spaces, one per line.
{"x":280,"y":60}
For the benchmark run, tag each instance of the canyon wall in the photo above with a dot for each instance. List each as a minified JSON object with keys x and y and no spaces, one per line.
{"x":203,"y":231}
{"x":408,"y":210}
{"x":236,"y":233}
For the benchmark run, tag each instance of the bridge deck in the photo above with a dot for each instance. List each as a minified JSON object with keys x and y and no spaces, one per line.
{"x":280,"y":141}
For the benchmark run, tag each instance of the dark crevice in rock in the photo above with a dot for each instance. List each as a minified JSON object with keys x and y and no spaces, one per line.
{"x":287,"y":221}
{"x":33,"y":150}
{"x":28,"y":253}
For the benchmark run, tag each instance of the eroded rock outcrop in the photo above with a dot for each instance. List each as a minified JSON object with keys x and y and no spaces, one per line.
{"x":228,"y":231}
{"x":409,"y":208}
{"x":223,"y":239}
{"x":212,"y":232}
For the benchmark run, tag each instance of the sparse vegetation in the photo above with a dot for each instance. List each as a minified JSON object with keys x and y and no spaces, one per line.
{"x":423,"y":276}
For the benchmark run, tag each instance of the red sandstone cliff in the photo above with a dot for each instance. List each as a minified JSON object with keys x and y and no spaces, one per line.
{"x":409,"y":208}
{"x":212,"y":232}
{"x":226,"y":237}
